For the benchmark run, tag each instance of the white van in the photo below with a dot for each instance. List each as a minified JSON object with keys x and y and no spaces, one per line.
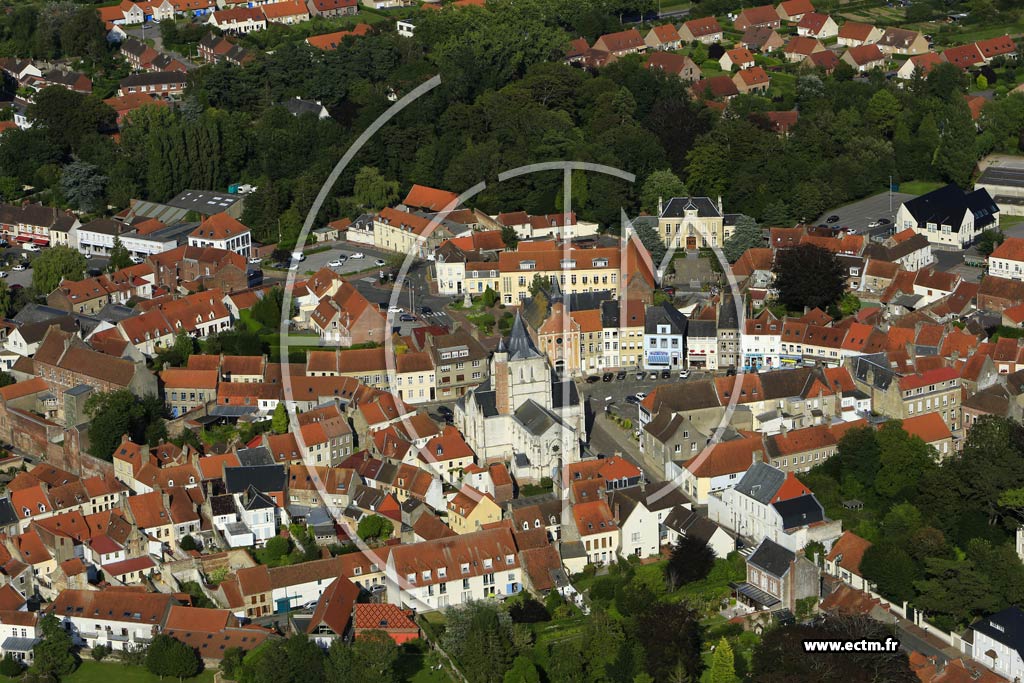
{"x":298,"y":256}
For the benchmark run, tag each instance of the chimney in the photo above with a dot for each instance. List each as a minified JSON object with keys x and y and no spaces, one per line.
{"x":616,"y":513}
{"x":166,"y":498}
{"x":720,"y":205}
{"x":661,"y":206}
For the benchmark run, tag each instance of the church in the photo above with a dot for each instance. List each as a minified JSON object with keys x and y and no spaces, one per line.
{"x":524,"y":414}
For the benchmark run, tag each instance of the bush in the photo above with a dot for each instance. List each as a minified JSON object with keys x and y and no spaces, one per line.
{"x":529,"y":611}
{"x":9,"y":666}
{"x":134,"y":655}
{"x":188,"y":543}
{"x":100,"y":652}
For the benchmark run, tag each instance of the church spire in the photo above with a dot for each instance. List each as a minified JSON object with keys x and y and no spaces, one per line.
{"x":520,"y":346}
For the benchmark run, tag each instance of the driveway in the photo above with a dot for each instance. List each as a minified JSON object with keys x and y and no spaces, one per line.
{"x":151,"y":32}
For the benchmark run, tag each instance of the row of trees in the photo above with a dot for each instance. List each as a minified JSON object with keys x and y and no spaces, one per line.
{"x":370,"y":659}
{"x":942,"y":531}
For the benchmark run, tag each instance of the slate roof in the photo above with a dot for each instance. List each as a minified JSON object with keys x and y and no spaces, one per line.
{"x":266,"y":478}
{"x":519,"y":345}
{"x":947,"y":205}
{"x":761,"y":482}
{"x":535,"y":418}
{"x":800,"y":511}
{"x":678,"y":206}
{"x":772,"y":557}
{"x":1006,"y":627}
{"x":665,"y":314}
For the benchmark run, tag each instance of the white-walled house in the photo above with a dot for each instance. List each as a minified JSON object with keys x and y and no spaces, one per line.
{"x":115,"y":618}
{"x":949,"y":217}
{"x":995,"y":642}
{"x":1007,"y":261}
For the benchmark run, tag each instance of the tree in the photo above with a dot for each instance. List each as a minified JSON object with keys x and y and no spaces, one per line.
{"x":119,"y":255}
{"x":808,"y":276}
{"x":375,"y":527}
{"x":231,"y":660}
{"x":780,"y":656}
{"x":52,"y":656}
{"x":54,"y":265}
{"x":891,"y":569}
{"x":169,"y":656}
{"x":670,"y":634}
{"x":723,"y":663}
{"x":691,"y":560}
{"x":279,"y":422}
{"x":5,"y":300}
{"x":371,"y":658}
{"x":10,"y":667}
{"x":188,"y":543}
{"x":509,"y":237}
{"x":372,"y":191}
{"x":989,"y":240}
{"x":479,"y":636}
{"x":776,"y":214}
{"x":982,"y":82}
{"x":660,"y":186}
{"x":100,"y":652}
{"x":849,"y":304}
{"x":276,"y":548}
{"x":522,"y":671}
{"x":7,"y":379}
{"x":883,"y":111}
{"x":116,"y":413}
{"x":747,"y":235}
{"x":83,"y":186}
{"x":67,"y":118}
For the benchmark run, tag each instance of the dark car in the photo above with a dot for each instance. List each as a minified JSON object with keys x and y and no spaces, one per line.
{"x":884,"y":221}
{"x":607,"y":377}
{"x":671,"y":291}
{"x":621,"y":375}
{"x":94,"y":272}
{"x":633,"y":399}
{"x":665,"y":374}
{"x":407,"y":318}
{"x":592,"y":379}
{"x":445,"y":412}
{"x":424,"y":310}
{"x":832,"y":219}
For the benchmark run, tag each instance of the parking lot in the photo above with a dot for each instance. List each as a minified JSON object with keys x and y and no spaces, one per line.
{"x":613,"y":394}
{"x":859,"y":215}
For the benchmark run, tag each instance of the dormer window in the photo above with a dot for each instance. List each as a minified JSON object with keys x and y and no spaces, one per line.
{"x":442,"y":572}
{"x":527,"y":265}
{"x":411,"y":577}
{"x":464,"y":568}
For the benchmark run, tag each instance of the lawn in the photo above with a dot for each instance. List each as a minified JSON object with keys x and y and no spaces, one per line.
{"x":919,"y":186}
{"x":103,"y":672}
{"x":1009,"y":221}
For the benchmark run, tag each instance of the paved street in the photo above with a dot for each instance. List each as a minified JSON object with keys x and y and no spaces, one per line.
{"x":859,"y":214}
{"x":152,"y":33}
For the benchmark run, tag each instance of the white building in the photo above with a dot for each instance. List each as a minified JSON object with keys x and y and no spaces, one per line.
{"x":405,"y":28}
{"x":453,"y":571}
{"x":664,"y":338}
{"x":1007,"y":261}
{"x":222,"y":231}
{"x":949,"y":217}
{"x":996,"y":642}
{"x":761,"y":346}
{"x":113,"y":618}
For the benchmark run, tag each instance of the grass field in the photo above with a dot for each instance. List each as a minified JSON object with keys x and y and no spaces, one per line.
{"x":919,"y":186}
{"x":102,"y":672}
{"x":1009,"y":221}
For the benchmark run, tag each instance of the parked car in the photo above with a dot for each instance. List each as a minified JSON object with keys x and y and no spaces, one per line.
{"x":653,"y":375}
{"x":683,"y":374}
{"x":3,"y":273}
{"x":336,"y":263}
{"x":641,"y":374}
{"x":592,"y":379}
{"x":632,"y":399}
{"x":621,"y":375}
{"x":94,"y":272}
{"x":445,"y":412}
{"x":665,"y":374}
{"x":380,"y":262}
{"x":640,"y":395}
{"x":396,"y":309}
{"x":28,"y":246}
{"x":407,"y":318}
{"x":426,"y":310}
{"x":607,"y":377}
{"x":255,"y":260}
{"x":358,"y":254}
{"x":138,"y":260}
{"x":832,"y":219}
{"x":884,"y":221}
{"x":19,"y":267}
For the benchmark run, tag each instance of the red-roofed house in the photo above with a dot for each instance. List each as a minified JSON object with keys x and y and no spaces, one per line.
{"x":964,"y":56}
{"x":706,"y":30}
{"x":933,"y":431}
{"x":995,"y":47}
{"x":239,"y":20}
{"x":432,"y":200}
{"x":817,"y":25}
{"x":854,"y":33}
{"x":864,"y":57}
{"x":843,"y":561}
{"x":222,"y":231}
{"x":621,"y":43}
{"x":720,"y":466}
{"x":919,"y":64}
{"x":737,"y":58}
{"x":794,"y":10}
{"x":391,"y":619}
{"x":800,"y":47}
{"x":672,"y":63}
{"x":763,"y":16}
{"x":663,"y":37}
{"x":752,"y":81}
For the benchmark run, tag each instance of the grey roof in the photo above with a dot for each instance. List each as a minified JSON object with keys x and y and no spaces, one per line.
{"x":691,"y":524}
{"x":1002,"y":175}
{"x":7,"y":513}
{"x":728,"y":316}
{"x":232,"y":411}
{"x":250,"y":457}
{"x":162,"y":212}
{"x":799,"y":511}
{"x":522,"y":460}
{"x":947,"y":206}
{"x":19,"y":644}
{"x":560,"y":389}
{"x":1006,"y":627}
{"x":34,"y":313}
{"x":701,"y":329}
{"x":876,"y":365}
{"x":115,"y":313}
{"x":34,"y":332}
{"x":761,"y":482}
{"x":262,"y":477}
{"x":257,"y":500}
{"x":223,"y":505}
{"x":535,"y":418}
{"x":665,"y":314}
{"x":79,"y":390}
{"x":298,"y":107}
{"x":772,"y":558}
{"x":678,"y":206}
{"x":664,"y":496}
{"x":366,"y":498}
{"x":520,"y":345}
{"x":204,"y":202}
{"x":487,"y":402}
{"x":154,"y":78}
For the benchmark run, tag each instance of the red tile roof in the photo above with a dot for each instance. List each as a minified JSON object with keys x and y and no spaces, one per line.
{"x":429,"y":198}
{"x":848,"y":551}
{"x":930,"y":427}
